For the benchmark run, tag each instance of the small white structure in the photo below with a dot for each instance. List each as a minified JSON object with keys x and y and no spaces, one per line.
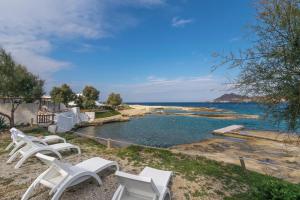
{"x":66,"y":121}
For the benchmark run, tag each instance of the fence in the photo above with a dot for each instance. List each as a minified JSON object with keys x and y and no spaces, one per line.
{"x":45,"y":119}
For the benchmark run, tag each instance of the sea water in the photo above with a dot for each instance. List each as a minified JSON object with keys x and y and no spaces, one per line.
{"x":168,"y":130}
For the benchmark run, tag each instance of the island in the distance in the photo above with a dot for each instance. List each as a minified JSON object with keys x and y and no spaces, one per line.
{"x":232,"y":97}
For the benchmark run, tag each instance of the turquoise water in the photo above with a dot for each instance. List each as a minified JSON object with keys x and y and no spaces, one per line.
{"x":166,"y":131}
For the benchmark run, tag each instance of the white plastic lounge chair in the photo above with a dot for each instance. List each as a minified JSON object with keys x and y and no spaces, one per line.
{"x":150,"y":184}
{"x":17,"y":140}
{"x":31,"y":148}
{"x":59,"y":176}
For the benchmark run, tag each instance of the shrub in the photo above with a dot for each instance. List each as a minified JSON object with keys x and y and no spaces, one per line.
{"x":3,"y":124}
{"x":277,"y":190}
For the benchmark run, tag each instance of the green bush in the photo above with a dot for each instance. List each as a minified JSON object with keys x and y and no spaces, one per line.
{"x":106,"y":114}
{"x":277,"y":190}
{"x":3,"y":124}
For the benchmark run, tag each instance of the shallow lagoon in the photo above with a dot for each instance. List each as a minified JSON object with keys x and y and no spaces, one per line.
{"x":166,"y":131}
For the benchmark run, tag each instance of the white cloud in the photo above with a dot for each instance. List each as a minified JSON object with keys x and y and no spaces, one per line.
{"x":30,"y":29}
{"x":198,"y":88}
{"x":180,"y":22}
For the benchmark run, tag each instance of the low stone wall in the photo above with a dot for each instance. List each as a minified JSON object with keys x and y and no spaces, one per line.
{"x":91,"y":115}
{"x":27,"y":111}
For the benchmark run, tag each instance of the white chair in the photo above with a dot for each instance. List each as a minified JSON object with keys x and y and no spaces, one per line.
{"x":59,"y":176}
{"x":17,"y":140}
{"x":150,"y":184}
{"x":31,"y":148}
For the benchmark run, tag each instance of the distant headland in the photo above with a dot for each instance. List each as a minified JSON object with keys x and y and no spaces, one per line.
{"x":232,"y":97}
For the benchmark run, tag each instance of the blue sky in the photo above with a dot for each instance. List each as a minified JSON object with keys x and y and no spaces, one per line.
{"x":147,"y":50}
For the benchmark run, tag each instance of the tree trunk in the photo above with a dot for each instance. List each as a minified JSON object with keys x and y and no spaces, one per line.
{"x":12,"y":118}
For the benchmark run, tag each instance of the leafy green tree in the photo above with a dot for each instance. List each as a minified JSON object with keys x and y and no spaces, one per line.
{"x":114,"y":99}
{"x":270,"y":68}
{"x":91,"y":93}
{"x":63,"y":94}
{"x":90,"y":96}
{"x":79,"y":101}
{"x":17,"y":85}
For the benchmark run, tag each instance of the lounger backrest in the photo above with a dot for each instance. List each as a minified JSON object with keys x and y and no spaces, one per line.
{"x":16,"y":135}
{"x":26,"y":139}
{"x":138,"y":185}
{"x":54,"y":163}
{"x":13,"y":130}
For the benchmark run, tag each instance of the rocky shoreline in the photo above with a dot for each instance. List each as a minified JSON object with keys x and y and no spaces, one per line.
{"x":212,"y":113}
{"x":267,"y":152}
{"x":142,"y":110}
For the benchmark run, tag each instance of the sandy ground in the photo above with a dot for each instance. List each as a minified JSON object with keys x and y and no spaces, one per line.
{"x":266,"y":156}
{"x":14,"y":182}
{"x":136,"y":111}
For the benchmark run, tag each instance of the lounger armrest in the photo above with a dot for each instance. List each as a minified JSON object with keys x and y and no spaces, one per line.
{"x":119,"y":193}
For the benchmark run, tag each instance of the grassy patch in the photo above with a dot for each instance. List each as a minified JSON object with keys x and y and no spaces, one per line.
{"x":250,"y":186}
{"x":106,"y":114}
{"x":232,"y":178}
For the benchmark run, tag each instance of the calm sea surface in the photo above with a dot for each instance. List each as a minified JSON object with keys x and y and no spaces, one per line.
{"x":166,"y":131}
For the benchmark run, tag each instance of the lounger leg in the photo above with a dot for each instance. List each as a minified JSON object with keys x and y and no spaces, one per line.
{"x":28,"y":192}
{"x":9,"y":146}
{"x":20,"y":162}
{"x":99,"y":181}
{"x":166,"y":193}
{"x":57,"y":153}
{"x":16,"y":148}
{"x":78,"y":149}
{"x":13,"y":157}
{"x":119,"y":193}
{"x":58,"y":193}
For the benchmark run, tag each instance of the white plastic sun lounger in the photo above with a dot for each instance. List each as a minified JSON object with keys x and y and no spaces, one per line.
{"x":31,"y":148}
{"x":59,"y":176}
{"x":17,"y":140}
{"x":150,"y":184}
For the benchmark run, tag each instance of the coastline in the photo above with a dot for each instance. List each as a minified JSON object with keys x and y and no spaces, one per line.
{"x":212,"y":113}
{"x":269,"y":153}
{"x":142,"y":110}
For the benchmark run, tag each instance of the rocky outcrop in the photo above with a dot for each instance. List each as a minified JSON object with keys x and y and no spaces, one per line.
{"x":232,"y":97}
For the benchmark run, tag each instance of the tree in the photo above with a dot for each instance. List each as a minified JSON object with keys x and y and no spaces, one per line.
{"x":63,"y":94}
{"x":91,"y":93}
{"x":270,"y":68}
{"x":17,"y":85}
{"x":114,"y":99}
{"x":90,"y":96}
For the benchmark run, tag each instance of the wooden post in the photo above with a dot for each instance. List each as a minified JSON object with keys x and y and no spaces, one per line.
{"x":109,"y":143}
{"x":243,"y":164}
{"x":31,"y":122}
